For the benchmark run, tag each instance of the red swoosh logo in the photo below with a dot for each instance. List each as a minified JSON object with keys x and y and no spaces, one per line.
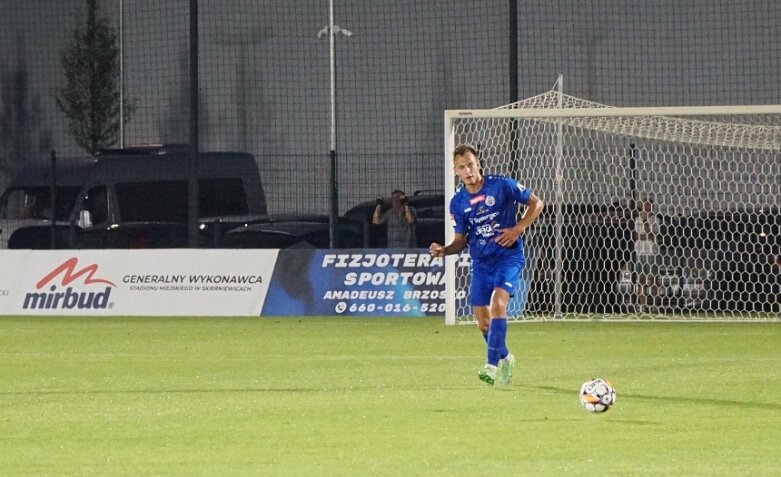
{"x":69,"y":274}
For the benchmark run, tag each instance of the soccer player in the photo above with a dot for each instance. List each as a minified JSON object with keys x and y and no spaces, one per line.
{"x":483,"y":211}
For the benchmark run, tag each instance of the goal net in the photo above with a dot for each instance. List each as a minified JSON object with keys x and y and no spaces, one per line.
{"x":651,"y":213}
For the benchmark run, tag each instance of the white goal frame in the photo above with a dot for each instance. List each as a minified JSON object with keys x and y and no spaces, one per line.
{"x":552,"y":114}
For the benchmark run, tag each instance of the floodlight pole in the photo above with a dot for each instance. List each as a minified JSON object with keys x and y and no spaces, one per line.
{"x":513,"y":50}
{"x":512,"y":80}
{"x":192,"y":188}
{"x":333,"y":221}
{"x":331,"y":30}
{"x":121,"y":77}
{"x":53,"y":203}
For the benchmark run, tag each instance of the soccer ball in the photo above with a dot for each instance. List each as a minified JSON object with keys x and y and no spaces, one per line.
{"x":597,"y":395}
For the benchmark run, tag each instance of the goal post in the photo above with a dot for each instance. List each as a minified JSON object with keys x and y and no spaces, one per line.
{"x":708,"y":247}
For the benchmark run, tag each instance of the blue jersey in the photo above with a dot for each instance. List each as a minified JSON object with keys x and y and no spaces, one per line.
{"x":482,"y":215}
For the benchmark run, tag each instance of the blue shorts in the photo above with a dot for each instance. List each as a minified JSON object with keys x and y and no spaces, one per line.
{"x":485,"y":277}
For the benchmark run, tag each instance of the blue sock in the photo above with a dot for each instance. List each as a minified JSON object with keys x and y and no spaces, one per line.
{"x":503,"y":354}
{"x":497,"y":333}
{"x":485,"y":336}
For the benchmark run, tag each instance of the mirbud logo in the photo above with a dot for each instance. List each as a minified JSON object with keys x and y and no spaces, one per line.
{"x":65,"y":297}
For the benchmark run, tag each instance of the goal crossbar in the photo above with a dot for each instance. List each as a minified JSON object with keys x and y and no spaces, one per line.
{"x":532,"y":113}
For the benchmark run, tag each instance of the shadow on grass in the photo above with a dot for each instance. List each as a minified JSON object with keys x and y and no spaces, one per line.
{"x":681,"y":399}
{"x":554,"y":389}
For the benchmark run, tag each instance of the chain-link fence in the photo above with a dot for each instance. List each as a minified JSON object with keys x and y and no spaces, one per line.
{"x":264,"y":77}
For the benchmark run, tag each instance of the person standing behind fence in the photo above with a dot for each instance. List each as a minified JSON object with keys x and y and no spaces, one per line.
{"x":400,"y":219}
{"x":646,"y":254}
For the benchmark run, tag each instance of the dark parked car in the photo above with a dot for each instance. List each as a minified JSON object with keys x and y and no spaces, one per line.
{"x":279,"y":231}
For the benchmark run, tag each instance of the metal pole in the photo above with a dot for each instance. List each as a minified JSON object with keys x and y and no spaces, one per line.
{"x":332,"y":51}
{"x":332,"y":30}
{"x":513,"y":50}
{"x":633,"y":209}
{"x":633,"y":178}
{"x":334,"y":214}
{"x":559,"y":204}
{"x":192,"y":226}
{"x":121,"y":77}
{"x":513,"y":81}
{"x":53,"y":205}
{"x":451,"y":262}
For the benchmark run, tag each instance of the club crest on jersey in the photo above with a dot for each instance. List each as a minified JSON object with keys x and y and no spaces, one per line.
{"x":476,"y":199}
{"x":490,"y":201}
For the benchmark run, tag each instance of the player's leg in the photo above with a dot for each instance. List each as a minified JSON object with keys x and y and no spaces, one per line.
{"x":497,"y":328}
{"x":506,"y":282}
{"x":480,"y":297}
{"x":497,"y":336}
{"x":483,"y":319}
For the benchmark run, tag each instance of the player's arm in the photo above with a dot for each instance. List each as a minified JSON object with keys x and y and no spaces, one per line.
{"x":458,"y":244}
{"x":534,"y":207}
{"x":460,"y":227}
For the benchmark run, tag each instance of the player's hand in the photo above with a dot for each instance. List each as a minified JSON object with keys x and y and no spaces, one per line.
{"x":509,"y":236}
{"x":436,"y":250}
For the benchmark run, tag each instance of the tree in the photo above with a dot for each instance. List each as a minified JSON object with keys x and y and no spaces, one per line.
{"x":90,"y":97}
{"x":22,"y":136}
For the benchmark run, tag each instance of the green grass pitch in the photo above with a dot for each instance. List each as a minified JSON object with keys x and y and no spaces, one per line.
{"x":384,"y":397}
